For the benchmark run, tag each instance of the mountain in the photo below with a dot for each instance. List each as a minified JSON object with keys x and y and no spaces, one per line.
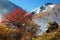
{"x":46,"y":13}
{"x":43,"y":8}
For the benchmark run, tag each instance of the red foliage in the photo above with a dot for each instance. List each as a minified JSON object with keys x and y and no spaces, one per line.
{"x":17,"y":17}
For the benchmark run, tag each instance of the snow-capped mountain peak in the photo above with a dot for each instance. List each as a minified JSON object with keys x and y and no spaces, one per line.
{"x":43,"y":8}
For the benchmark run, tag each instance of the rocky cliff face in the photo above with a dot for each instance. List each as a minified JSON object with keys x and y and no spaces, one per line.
{"x":45,"y":13}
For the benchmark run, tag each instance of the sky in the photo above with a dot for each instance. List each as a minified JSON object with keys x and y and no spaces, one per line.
{"x":29,"y":5}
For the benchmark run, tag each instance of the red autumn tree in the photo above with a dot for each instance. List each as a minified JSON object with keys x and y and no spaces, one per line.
{"x":17,"y":17}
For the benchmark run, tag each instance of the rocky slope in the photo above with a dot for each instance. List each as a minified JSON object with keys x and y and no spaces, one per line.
{"x":46,"y":13}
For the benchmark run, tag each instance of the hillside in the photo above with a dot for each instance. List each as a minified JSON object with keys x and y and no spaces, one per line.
{"x":53,"y":35}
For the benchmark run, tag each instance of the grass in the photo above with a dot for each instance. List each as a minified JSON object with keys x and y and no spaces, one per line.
{"x":6,"y":32}
{"x":53,"y":35}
